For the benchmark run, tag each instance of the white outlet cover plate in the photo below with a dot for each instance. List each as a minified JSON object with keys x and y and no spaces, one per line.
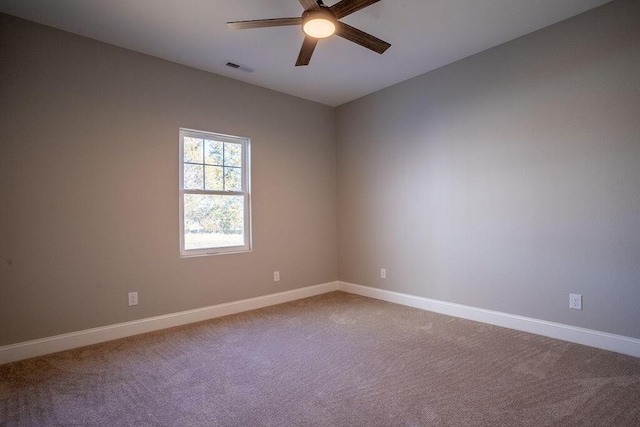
{"x":575,"y":301}
{"x":133,"y":298}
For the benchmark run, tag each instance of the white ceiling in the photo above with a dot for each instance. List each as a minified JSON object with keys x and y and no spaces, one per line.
{"x":424,"y":35}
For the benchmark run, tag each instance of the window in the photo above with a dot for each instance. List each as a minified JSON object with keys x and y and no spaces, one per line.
{"x":215,"y":202}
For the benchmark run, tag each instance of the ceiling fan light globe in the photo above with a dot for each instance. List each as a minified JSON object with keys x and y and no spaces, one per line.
{"x":319,"y":28}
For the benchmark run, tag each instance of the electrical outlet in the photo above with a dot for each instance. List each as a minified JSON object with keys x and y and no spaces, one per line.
{"x":383,"y":273}
{"x":133,"y":298}
{"x":575,"y":301}
{"x":276,"y":276}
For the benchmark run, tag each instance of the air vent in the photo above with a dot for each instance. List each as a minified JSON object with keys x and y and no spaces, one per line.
{"x":240,"y":67}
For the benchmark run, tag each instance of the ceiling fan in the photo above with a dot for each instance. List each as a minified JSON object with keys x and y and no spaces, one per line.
{"x":319,"y":21}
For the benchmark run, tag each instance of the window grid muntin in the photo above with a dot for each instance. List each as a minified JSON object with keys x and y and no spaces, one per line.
{"x":224,"y":165}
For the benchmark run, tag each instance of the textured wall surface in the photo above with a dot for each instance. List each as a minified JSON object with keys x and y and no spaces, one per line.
{"x":506,"y":180}
{"x":89,"y":185}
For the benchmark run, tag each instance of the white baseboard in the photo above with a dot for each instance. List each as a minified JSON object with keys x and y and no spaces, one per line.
{"x":602,"y":340}
{"x":40,"y":347}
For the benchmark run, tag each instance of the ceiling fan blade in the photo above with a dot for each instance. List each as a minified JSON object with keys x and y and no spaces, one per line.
{"x":260,"y":23}
{"x":347,"y":7}
{"x":308,"y":46}
{"x":309,"y":4}
{"x":360,"y":37}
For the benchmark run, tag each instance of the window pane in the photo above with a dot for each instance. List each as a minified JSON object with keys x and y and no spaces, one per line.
{"x":212,"y":221}
{"x":232,"y":179}
{"x":213,"y":152}
{"x":192,"y":150}
{"x":232,"y":154}
{"x":213,"y":178}
{"x":193,"y":177}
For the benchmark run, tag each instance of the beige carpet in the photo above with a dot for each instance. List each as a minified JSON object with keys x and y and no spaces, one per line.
{"x":332,"y":360}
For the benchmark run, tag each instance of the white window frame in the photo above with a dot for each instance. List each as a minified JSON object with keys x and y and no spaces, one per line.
{"x":246,"y":186}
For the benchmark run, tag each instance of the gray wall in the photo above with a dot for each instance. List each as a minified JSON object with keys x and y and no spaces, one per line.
{"x":506,"y":180}
{"x":89,"y":185}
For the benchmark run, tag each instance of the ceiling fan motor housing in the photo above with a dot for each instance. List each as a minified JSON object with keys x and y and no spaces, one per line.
{"x":323,"y":17}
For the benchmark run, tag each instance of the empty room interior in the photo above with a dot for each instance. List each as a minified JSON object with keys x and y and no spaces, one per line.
{"x":430,"y":217}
